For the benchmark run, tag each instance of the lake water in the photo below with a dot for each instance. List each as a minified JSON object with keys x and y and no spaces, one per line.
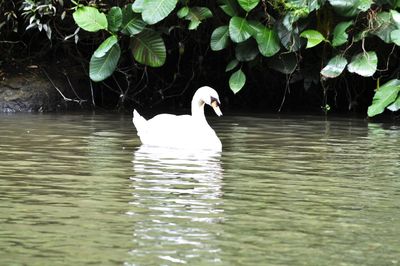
{"x":79,"y":190}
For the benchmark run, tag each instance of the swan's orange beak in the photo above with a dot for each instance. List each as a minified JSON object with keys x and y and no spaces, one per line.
{"x":215,"y":106}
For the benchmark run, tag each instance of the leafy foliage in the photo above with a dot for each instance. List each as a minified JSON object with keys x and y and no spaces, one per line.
{"x":220,"y":38}
{"x":364,"y":64}
{"x":349,"y":39}
{"x":239,"y":29}
{"x":313,"y":37}
{"x":339,"y":33}
{"x":237,"y":81}
{"x":384,"y":96}
{"x":156,"y":10}
{"x":148,"y":48}
{"x":334,"y":67}
{"x":90,"y":19}
{"x":103,"y":66}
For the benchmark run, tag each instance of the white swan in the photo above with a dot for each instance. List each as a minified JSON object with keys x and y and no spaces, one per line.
{"x":183,"y":131}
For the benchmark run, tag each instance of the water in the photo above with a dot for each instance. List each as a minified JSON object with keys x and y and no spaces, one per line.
{"x":79,"y":190}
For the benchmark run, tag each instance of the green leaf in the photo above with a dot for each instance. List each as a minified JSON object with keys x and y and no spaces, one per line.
{"x":395,"y":106}
{"x":137,"y":6}
{"x":313,"y":37}
{"x":132,"y":23}
{"x":248,"y":4}
{"x":114,"y":18}
{"x":183,"y":12}
{"x":256,"y":27}
{"x":384,"y":96}
{"x":105,"y":46}
{"x":237,"y":81}
{"x":364,"y":64}
{"x":395,"y":36}
{"x":231,"y":65}
{"x":156,"y":10}
{"x":230,"y":7}
{"x":290,"y":39}
{"x":395,"y":17}
{"x":196,"y":15}
{"x":348,"y":8}
{"x":239,"y":29}
{"x":101,"y":68}
{"x":149,"y":49}
{"x":339,"y":33}
{"x":246,"y":51}
{"x":268,"y":42}
{"x":90,"y":19}
{"x":383,"y":25}
{"x":219,"y":38}
{"x":334,"y":67}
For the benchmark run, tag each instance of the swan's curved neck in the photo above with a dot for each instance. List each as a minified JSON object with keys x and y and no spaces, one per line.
{"x":198,"y":109}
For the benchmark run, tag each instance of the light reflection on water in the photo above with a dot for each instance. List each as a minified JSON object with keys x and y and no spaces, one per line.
{"x":79,"y":189}
{"x":178,"y":193}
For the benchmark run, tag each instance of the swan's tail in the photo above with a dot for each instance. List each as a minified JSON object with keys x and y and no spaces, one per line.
{"x":138,"y":121}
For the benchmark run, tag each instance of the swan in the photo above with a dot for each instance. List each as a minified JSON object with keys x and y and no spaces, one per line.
{"x":182,"y":131}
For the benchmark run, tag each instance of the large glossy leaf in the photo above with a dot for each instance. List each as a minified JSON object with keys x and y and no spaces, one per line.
{"x":290,"y":39}
{"x":313,"y":37}
{"x":239,"y":29}
{"x":219,"y":38}
{"x":132,"y":23}
{"x":137,"y":6}
{"x":364,"y":64}
{"x":114,"y":18}
{"x":395,"y":36}
{"x":237,"y":81}
{"x":246,"y":51}
{"x":348,"y":8}
{"x":196,"y":15}
{"x":268,"y":41}
{"x":395,"y":106}
{"x":101,"y":68}
{"x":334,"y":67}
{"x":183,"y":12}
{"x":105,"y":46}
{"x":384,"y":96}
{"x":149,"y":49}
{"x":248,"y":4}
{"x":339,"y":33}
{"x":256,"y":27}
{"x":230,"y":7}
{"x":395,"y":17}
{"x":156,"y":10}
{"x":383,"y":25}
{"x":90,"y":19}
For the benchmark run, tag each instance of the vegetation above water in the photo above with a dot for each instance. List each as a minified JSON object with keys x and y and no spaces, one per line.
{"x":330,"y":49}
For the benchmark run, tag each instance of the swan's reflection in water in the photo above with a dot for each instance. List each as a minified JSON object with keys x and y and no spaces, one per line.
{"x":175,"y":206}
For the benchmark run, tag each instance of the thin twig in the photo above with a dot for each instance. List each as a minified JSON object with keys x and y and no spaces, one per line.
{"x":91,"y":90}
{"x":59,"y":91}
{"x":72,"y":88}
{"x":286,"y":90}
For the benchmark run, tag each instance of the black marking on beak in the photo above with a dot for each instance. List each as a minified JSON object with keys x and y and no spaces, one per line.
{"x":217,"y":103}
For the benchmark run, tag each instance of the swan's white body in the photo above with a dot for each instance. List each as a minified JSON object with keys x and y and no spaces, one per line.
{"x":182,"y":131}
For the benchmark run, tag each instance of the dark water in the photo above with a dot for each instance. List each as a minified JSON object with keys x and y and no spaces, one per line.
{"x":78,"y":190}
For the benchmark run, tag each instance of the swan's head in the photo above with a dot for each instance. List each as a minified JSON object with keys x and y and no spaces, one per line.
{"x":209,"y":96}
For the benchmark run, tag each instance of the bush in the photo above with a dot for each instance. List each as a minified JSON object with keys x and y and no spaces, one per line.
{"x":321,"y":43}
